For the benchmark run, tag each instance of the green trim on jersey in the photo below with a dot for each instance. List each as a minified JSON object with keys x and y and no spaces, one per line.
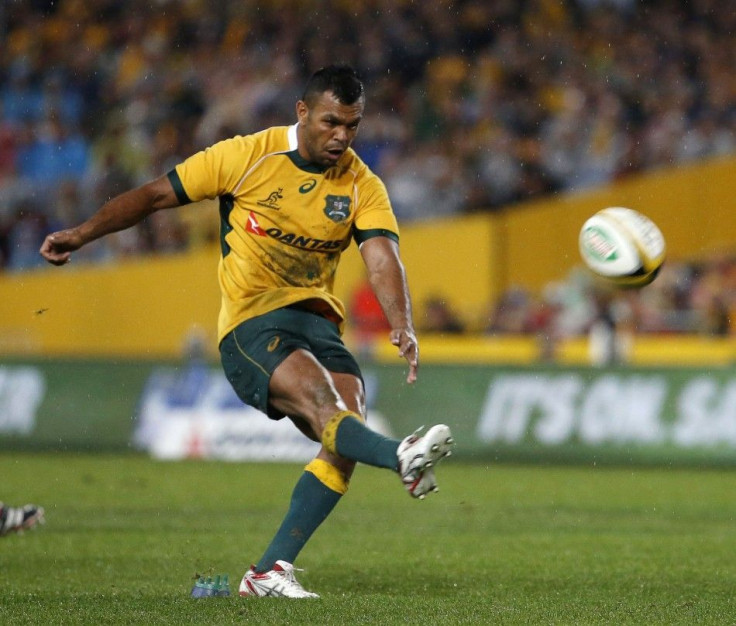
{"x":364,"y":235}
{"x":175,"y":181}
{"x":298,"y":160}
{"x":227,"y":202}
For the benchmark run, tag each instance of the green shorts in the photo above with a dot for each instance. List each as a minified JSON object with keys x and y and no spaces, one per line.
{"x":253,"y":350}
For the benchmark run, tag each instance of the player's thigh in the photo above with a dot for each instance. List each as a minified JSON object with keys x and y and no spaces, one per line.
{"x":293,"y":362}
{"x":349,"y":396}
{"x":301,"y":387}
{"x":316,"y":383}
{"x":253,"y":351}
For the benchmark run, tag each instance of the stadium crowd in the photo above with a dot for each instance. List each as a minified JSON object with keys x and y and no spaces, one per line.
{"x":687,"y":297}
{"x":473,"y":105}
{"x":692,"y":297}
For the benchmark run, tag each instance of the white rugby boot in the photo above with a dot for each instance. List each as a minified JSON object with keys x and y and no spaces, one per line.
{"x":418,"y":454}
{"x":427,"y":484}
{"x":278,"y":582}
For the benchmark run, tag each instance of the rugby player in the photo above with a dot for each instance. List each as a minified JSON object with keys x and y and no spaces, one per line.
{"x":291,"y":200}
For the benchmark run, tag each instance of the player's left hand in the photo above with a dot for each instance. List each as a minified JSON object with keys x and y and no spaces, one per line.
{"x":406,"y":340}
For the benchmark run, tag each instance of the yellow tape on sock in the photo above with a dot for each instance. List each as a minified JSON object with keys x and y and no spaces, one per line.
{"x":329,"y":434}
{"x":328,"y":475}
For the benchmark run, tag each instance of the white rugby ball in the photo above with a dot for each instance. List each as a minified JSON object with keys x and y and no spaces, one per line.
{"x":623,"y":246}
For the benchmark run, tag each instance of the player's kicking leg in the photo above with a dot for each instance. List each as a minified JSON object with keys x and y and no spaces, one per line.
{"x":332,"y":404}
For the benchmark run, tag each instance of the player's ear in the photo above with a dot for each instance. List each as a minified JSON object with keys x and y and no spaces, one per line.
{"x":302,"y":112}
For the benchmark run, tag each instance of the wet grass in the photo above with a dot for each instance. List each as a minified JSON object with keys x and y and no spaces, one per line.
{"x":126,"y":535}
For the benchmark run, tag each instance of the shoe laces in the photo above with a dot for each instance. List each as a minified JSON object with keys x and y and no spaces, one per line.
{"x":286,"y":572}
{"x":415,"y":436}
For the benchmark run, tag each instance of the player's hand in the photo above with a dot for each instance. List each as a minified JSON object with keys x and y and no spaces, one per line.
{"x":406,"y":340}
{"x":58,"y":246}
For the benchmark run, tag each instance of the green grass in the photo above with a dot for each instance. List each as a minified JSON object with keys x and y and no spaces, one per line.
{"x":499,"y":545}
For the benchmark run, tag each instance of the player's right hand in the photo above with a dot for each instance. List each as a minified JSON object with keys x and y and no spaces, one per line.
{"x":58,"y":246}
{"x":406,"y":340}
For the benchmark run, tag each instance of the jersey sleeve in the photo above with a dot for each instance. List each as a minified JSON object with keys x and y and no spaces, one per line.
{"x":215,"y":171}
{"x":374,"y":217}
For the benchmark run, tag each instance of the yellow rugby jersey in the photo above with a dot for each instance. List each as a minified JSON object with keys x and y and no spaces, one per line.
{"x":283,"y":221}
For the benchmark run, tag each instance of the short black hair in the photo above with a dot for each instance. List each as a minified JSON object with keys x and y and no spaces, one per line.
{"x":341,"y":80}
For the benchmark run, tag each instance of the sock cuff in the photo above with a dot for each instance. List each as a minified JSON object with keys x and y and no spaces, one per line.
{"x":329,"y":433}
{"x":328,"y":475}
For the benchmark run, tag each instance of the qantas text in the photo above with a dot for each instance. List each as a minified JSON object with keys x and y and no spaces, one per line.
{"x":307,"y":243}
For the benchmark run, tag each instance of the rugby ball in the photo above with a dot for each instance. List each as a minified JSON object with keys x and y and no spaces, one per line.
{"x":622,"y":246}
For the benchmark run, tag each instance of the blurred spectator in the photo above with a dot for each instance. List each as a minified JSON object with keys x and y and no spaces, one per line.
{"x":24,"y":236}
{"x":54,"y":153}
{"x":542,"y":322}
{"x":366,"y":315}
{"x":426,"y":185}
{"x":609,"y":335}
{"x":439,"y":317}
{"x":696,"y":297}
{"x":511,"y":314}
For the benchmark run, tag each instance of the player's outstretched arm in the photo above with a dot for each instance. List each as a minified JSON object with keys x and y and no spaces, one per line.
{"x":388,"y":280}
{"x":121,"y":212}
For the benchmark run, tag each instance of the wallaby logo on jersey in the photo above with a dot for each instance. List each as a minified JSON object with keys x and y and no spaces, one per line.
{"x":337,"y":208}
{"x":272,"y":202}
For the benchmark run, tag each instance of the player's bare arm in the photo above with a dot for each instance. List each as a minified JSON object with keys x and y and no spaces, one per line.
{"x":388,"y":280}
{"x":119,"y":213}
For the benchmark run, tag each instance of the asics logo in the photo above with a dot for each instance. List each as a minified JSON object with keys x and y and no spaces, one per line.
{"x":308,"y":186}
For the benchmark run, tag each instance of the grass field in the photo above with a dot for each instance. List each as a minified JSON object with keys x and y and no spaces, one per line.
{"x":498,"y":545}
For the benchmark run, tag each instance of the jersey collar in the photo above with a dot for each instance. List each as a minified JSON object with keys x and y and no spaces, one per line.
{"x":291,"y":135}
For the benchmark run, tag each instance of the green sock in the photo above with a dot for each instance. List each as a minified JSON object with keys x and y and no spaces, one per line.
{"x":355,"y":441}
{"x":311,"y":503}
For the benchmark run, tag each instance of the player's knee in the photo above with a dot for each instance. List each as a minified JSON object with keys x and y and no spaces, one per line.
{"x":329,"y":432}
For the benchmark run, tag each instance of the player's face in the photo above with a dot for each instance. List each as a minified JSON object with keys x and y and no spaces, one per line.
{"x":327,"y":128}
